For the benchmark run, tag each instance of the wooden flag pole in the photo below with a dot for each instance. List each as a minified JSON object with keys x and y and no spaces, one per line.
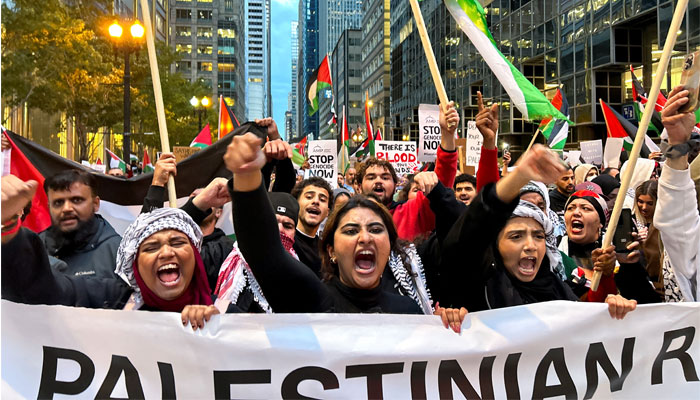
{"x":429,"y":55}
{"x":642,"y":129}
{"x":537,"y":132}
{"x":158,"y":94}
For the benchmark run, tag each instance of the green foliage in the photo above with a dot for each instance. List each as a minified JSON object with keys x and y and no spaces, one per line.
{"x":58,"y":57}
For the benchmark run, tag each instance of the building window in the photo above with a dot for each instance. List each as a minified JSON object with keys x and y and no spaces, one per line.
{"x":225,"y":50}
{"x":204,"y":50}
{"x":226,"y":67}
{"x":204,"y":15}
{"x":183,"y":14}
{"x":205,"y":33}
{"x":226,"y":33}
{"x":228,"y":5}
{"x":628,"y":46}
{"x":183,"y":31}
{"x":203,"y":1}
{"x":204,"y":66}
{"x":226,"y":84}
{"x":183,"y":48}
{"x":183,"y":66}
{"x":160,"y":24}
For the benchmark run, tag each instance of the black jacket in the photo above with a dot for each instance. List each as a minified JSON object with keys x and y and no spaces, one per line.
{"x":557,"y":201}
{"x":215,"y":248}
{"x":289,"y":285}
{"x":474,"y":271}
{"x":90,"y":251}
{"x":29,"y":279}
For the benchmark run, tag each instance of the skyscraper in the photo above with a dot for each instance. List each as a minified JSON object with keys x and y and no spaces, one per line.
{"x":308,"y":62}
{"x":292,"y":100}
{"x":257,"y":53}
{"x":208,"y":37}
{"x":376,"y":58}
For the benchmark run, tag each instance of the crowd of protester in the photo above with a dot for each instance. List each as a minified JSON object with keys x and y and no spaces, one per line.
{"x":437,"y":242}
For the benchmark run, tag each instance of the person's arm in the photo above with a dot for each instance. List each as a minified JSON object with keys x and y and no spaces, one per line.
{"x":155,"y":197}
{"x":488,"y":168}
{"x":285,"y":176}
{"x":447,"y":156}
{"x":289,"y":285}
{"x":676,"y":216}
{"x":415,"y":217}
{"x":447,"y":210}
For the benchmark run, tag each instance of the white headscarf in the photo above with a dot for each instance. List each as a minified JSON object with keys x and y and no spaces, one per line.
{"x":642,"y":172}
{"x":525,"y":209}
{"x":145,"y":225}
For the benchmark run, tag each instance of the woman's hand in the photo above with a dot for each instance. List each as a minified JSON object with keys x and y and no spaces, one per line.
{"x":678,"y":125}
{"x":197,"y":315}
{"x":449,"y":121}
{"x":165,"y":166}
{"x":633,"y":256}
{"x":604,"y":260}
{"x":451,"y":317}
{"x":619,"y":306}
{"x":487,"y":122}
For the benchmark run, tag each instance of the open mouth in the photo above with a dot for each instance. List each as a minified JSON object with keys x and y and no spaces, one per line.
{"x":576,"y":226}
{"x":313,"y":211}
{"x":526,"y":266}
{"x":69,"y":220}
{"x":378,"y":189}
{"x":169,"y":274}
{"x":365,"y":262}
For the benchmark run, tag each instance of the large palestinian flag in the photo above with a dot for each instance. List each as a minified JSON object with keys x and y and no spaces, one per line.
{"x":619,"y":127}
{"x":318,"y":81}
{"x":120,"y":199}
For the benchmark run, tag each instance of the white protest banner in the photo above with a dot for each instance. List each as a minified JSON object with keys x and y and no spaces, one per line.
{"x":545,"y":350}
{"x":611,"y":155}
{"x":323,"y":160}
{"x":592,"y":151}
{"x":429,"y":132}
{"x":574,"y":158}
{"x":401,"y":155}
{"x":474,"y":143}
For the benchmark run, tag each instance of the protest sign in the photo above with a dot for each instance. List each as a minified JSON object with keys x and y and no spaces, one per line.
{"x":574,"y":158}
{"x":182,"y":152}
{"x":323,"y":160}
{"x":474,"y":143}
{"x":429,"y":132}
{"x":592,"y":151}
{"x":534,"y":351}
{"x":401,"y":155}
{"x":611,"y":155}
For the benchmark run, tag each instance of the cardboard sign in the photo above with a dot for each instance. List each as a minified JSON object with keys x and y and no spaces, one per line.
{"x":611,"y":155}
{"x":323,"y":160}
{"x":182,"y":152}
{"x":402,"y":155}
{"x":592,"y":151}
{"x":474,"y":143}
{"x":94,"y":167}
{"x":429,"y":132}
{"x":574,"y":158}
{"x":461,"y":144}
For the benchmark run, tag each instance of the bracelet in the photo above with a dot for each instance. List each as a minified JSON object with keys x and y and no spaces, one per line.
{"x":682,"y":149}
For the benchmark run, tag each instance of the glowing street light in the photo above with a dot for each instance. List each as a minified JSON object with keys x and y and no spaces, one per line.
{"x":115,"y":30}
{"x":137,"y":30}
{"x":196,"y":103}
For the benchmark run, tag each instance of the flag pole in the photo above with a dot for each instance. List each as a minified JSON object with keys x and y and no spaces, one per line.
{"x":429,"y":55}
{"x":533,"y":140}
{"x":158,"y":94}
{"x":642,"y":129}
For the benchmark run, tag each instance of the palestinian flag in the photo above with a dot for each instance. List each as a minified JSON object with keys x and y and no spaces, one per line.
{"x":471,"y":18}
{"x":203,"y":139}
{"x":333,"y":117}
{"x":227,"y":120}
{"x":368,"y":125}
{"x":120,"y":199}
{"x":318,"y":81}
{"x":147,"y":165}
{"x":557,"y":130}
{"x":362,"y":150}
{"x":298,"y":152}
{"x":133,"y":157}
{"x":343,"y":158}
{"x":115,"y":162}
{"x":640,"y":100}
{"x":20,"y":166}
{"x":378,"y":135}
{"x":619,"y":127}
{"x":99,"y":162}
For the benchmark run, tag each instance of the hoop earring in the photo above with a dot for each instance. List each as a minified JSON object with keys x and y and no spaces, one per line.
{"x":333,"y":260}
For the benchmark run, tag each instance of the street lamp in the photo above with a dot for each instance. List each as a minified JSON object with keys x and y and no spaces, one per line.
{"x":127,"y":45}
{"x":204,"y":102}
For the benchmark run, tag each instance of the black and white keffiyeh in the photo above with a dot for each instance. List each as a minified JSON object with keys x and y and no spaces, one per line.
{"x":525,"y":209}
{"x":145,"y":225}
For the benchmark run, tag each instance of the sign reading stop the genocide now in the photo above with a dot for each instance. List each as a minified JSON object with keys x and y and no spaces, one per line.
{"x":429,"y":132}
{"x":323,"y":160}
{"x":401,"y":155}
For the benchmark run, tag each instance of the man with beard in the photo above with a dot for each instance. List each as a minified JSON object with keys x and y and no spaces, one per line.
{"x":83,"y":240}
{"x":565,"y":187}
{"x":315,"y":198}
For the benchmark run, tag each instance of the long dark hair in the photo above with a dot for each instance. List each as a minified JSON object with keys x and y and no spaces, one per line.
{"x":329,"y":269}
{"x":649,"y":188}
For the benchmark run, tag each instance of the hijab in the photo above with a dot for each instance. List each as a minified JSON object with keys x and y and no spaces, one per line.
{"x":582,"y":170}
{"x":145,"y":225}
{"x":642,"y":172}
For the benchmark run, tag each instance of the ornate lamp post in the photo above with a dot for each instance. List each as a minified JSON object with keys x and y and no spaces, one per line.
{"x":200,"y":107}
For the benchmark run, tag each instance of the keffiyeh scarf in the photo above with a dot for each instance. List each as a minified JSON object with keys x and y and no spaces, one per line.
{"x":526,"y":209}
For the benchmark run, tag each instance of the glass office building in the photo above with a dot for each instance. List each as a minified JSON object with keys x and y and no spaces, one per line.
{"x":586,"y":46}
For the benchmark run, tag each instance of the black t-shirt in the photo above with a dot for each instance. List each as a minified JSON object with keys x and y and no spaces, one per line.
{"x":557,"y":201}
{"x":307,"y":250}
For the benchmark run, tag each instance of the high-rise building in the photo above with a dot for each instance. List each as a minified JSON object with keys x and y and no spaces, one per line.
{"x":257,"y":53}
{"x":587,"y":47}
{"x":287,"y":124}
{"x":208,"y":36}
{"x":376,"y":61}
{"x":292,"y":98}
{"x":307,"y":63}
{"x":158,"y":10}
{"x":346,"y":69}
{"x":334,"y":18}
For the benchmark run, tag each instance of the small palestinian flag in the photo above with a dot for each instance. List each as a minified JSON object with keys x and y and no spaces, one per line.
{"x":203,"y":139}
{"x":640,"y":100}
{"x":319,"y":80}
{"x":298,"y":152}
{"x":343,"y":157}
{"x":147,"y":166}
{"x":227,"y":120}
{"x":471,"y":18}
{"x":362,"y":150}
{"x":556,"y":130}
{"x":378,"y":135}
{"x":99,"y":162}
{"x":620,"y":127}
{"x":116,"y":162}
